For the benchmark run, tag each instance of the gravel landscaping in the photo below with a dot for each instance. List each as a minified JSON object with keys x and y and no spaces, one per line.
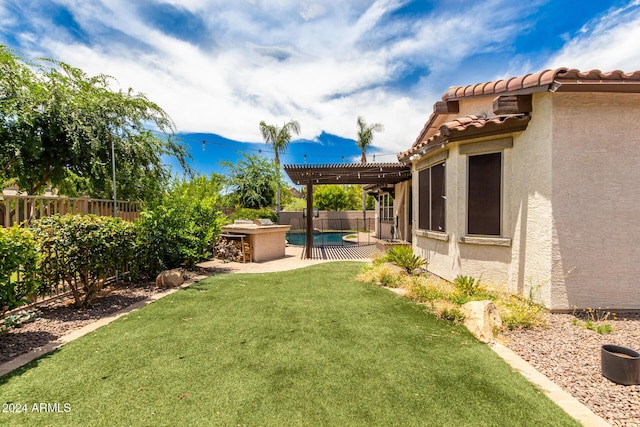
{"x":567,"y":354}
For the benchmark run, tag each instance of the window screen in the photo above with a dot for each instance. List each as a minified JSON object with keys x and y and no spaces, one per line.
{"x":431,"y":200}
{"x":484,"y":194}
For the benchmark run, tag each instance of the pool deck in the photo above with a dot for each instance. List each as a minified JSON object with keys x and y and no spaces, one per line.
{"x":294,"y":258}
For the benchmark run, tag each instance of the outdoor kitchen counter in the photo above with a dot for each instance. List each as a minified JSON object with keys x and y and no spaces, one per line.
{"x":267,"y":241}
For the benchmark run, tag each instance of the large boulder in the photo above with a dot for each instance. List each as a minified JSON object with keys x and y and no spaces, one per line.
{"x":169,"y":279}
{"x":481,"y":318}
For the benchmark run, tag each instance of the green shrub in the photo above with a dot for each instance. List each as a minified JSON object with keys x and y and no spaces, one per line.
{"x":251,"y":214}
{"x":82,"y":251}
{"x":295,"y":205}
{"x":179,"y":232}
{"x":18,"y":266}
{"x":403,"y":257}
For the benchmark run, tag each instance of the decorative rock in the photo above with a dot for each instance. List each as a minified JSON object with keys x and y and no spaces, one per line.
{"x":169,"y":279}
{"x":481,"y":318}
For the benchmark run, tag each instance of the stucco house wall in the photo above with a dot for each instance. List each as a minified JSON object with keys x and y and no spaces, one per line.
{"x":526,"y":195}
{"x":596,"y":199}
{"x":570,"y":199}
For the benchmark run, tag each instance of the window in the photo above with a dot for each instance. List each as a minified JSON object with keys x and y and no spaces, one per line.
{"x":432,"y":197}
{"x":484,"y":194}
{"x":386,"y":207}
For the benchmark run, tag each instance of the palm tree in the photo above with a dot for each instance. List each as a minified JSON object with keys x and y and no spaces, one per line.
{"x":365,"y":139}
{"x":278,"y":138}
{"x":365,"y":136}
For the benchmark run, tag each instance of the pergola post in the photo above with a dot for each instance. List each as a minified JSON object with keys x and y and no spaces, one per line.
{"x":309,"y":219}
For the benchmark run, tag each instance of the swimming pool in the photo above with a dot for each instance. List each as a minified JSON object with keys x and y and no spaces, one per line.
{"x":327,"y":238}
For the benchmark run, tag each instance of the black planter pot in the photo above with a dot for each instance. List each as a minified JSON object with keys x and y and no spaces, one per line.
{"x":620,"y":364}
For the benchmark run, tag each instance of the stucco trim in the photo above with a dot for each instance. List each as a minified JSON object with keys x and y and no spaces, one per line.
{"x":433,"y":235}
{"x":491,"y":145}
{"x":492,"y":241}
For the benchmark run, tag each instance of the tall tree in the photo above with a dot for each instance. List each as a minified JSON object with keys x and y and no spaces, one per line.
{"x":365,"y":139}
{"x":278,"y":138}
{"x":58,"y":127}
{"x":365,"y":136}
{"x":251,"y":182}
{"x":331,"y":197}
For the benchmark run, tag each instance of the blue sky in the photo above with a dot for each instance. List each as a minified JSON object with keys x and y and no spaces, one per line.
{"x":219,"y":67}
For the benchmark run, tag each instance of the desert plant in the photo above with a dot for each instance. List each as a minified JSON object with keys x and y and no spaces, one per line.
{"x":453,"y":313}
{"x":378,"y":258}
{"x":520,"y":312}
{"x":403,"y":257}
{"x":383,"y":275}
{"x":596,"y":320}
{"x":467,"y":285}
{"x":425,"y":290}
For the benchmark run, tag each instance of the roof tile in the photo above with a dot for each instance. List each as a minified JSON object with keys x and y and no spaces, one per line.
{"x":527,"y":81}
{"x":461,"y":124}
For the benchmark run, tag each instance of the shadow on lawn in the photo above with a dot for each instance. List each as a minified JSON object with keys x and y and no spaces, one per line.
{"x":24,"y":368}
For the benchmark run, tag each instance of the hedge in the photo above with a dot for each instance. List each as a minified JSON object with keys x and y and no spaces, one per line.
{"x":18,"y":267}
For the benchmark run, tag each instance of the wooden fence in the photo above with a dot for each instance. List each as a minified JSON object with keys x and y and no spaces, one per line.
{"x":18,"y":209}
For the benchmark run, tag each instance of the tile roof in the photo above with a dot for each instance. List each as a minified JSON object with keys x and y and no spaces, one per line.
{"x":467,"y":127}
{"x":553,"y":80}
{"x":540,"y":79}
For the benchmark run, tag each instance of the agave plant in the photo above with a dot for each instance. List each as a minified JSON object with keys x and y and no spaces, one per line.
{"x":403,"y":257}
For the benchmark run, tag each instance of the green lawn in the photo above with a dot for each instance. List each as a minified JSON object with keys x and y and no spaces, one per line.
{"x":304,"y":347}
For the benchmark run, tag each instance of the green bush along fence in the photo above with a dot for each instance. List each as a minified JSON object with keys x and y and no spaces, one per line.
{"x":77,"y":255}
{"x":18,"y":267}
{"x":19,"y":209}
{"x":80,"y":252}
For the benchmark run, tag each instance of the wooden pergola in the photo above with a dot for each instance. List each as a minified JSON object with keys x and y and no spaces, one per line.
{"x":345,"y":173}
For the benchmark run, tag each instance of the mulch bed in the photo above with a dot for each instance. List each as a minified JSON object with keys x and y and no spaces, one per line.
{"x":59,"y":318}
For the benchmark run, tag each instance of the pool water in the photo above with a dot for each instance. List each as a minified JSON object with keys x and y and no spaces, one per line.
{"x":328,"y":238}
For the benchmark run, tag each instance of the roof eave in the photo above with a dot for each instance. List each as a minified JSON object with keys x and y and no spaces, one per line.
{"x":510,"y":125}
{"x":623,"y":86}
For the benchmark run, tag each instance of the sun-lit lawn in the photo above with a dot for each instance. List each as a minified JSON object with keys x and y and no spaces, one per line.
{"x":304,"y":347}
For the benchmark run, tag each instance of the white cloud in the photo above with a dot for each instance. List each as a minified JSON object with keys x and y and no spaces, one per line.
{"x":608,"y":43}
{"x":5,"y":17}
{"x":322,"y":63}
{"x":310,"y":11}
